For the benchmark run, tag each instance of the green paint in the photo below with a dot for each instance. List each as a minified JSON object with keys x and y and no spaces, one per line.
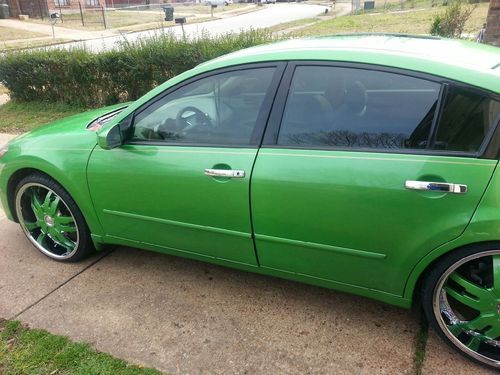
{"x":336,"y":219}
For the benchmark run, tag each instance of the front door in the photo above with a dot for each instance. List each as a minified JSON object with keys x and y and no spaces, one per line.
{"x":182,"y":181}
{"x":360,"y":183}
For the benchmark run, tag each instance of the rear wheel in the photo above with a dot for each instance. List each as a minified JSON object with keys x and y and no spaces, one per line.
{"x":51,"y":219}
{"x":461,"y":298}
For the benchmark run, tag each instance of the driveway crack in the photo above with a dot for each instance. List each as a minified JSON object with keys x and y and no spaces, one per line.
{"x":14,"y":317}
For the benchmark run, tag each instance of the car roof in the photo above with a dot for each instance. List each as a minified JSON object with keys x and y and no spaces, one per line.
{"x":472,"y":63}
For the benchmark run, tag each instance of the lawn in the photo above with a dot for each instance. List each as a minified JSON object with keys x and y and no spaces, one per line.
{"x":415,"y":20}
{"x":132,"y":19}
{"x":21,"y":117}
{"x":33,"y":351}
{"x":8,"y":33}
{"x":30,"y":43}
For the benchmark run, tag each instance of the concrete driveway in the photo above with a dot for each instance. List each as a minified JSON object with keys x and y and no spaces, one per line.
{"x":183,"y":316}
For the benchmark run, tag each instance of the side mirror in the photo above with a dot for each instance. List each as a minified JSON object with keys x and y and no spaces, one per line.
{"x":109,"y":138}
{"x":114,"y":136}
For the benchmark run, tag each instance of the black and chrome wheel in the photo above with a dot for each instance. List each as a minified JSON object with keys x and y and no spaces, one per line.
{"x":461,"y":298}
{"x":51,"y":219}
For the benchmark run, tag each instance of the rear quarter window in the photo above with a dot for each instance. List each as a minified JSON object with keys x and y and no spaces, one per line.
{"x":466,"y":120}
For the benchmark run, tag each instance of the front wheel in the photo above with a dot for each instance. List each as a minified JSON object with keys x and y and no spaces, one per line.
{"x":461,"y":299}
{"x":51,"y":219}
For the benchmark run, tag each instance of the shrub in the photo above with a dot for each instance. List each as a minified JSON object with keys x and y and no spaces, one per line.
{"x":83,"y":78}
{"x":451,"y":23}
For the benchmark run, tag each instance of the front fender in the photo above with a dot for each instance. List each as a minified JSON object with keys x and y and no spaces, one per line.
{"x":70,"y":171}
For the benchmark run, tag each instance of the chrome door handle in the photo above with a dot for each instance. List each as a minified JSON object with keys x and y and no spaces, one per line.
{"x":229,"y":173}
{"x":436,"y":186}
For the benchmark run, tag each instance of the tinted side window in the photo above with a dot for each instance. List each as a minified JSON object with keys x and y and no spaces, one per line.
{"x":220,"y":110}
{"x":344,"y":107}
{"x":466,"y":119}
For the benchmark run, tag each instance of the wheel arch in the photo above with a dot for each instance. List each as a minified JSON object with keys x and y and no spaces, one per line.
{"x":86,"y":207}
{"x":12,"y":183}
{"x":420,"y":271}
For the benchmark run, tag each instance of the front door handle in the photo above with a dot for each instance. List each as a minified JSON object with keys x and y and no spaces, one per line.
{"x":228,"y":173}
{"x":436,"y":186}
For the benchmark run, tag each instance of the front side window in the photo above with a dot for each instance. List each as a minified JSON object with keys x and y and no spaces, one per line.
{"x":357,"y":108}
{"x":218,"y":110}
{"x":466,"y":120}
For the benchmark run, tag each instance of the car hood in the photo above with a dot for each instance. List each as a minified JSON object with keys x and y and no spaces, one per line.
{"x":68,"y":133}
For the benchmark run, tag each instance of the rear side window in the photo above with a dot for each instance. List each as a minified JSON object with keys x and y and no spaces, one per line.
{"x":466,"y":120}
{"x":357,"y":108}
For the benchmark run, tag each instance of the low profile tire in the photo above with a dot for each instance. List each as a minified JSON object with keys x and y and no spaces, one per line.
{"x":461,"y":299}
{"x":51,"y":219}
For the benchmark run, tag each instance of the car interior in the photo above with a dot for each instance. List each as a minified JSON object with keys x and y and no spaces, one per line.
{"x":222,"y":111}
{"x":357,"y":111}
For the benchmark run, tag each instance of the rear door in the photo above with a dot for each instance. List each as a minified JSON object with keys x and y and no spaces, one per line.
{"x":356,"y":181}
{"x":181,"y":182}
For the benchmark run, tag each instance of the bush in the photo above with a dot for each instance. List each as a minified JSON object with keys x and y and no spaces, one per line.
{"x":451,"y":24}
{"x":82,"y":78}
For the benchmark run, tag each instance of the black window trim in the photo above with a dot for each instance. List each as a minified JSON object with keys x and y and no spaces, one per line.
{"x":262,"y":118}
{"x":270,"y":138}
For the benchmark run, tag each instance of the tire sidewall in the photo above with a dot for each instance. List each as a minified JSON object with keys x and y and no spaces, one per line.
{"x":430,"y":283}
{"x":85,"y":245}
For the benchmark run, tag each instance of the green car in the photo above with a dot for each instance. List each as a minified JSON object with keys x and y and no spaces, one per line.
{"x":366,"y":164}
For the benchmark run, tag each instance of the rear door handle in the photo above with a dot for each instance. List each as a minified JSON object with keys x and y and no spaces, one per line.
{"x":228,"y":173}
{"x":436,"y":186}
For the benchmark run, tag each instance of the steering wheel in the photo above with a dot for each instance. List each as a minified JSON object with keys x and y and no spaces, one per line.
{"x":192,"y":117}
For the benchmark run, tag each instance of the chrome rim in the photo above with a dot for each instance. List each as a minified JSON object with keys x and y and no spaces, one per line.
{"x":466,"y":305}
{"x":47,"y":221}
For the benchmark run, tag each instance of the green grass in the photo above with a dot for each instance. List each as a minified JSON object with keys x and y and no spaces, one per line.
{"x":29,"y":43}
{"x":420,"y":345}
{"x":18,"y":117}
{"x":293,"y":24}
{"x":8,"y":33}
{"x":412,"y":21}
{"x":33,"y":351}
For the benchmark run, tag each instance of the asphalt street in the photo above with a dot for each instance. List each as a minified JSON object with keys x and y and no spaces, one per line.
{"x":269,"y":16}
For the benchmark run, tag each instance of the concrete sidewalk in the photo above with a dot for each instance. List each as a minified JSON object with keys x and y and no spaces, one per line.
{"x":61,"y":32}
{"x":183,"y":316}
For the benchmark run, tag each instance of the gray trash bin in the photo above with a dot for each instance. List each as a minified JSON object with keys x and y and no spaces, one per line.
{"x":369,"y":5}
{"x":4,"y":11}
{"x":169,"y":13}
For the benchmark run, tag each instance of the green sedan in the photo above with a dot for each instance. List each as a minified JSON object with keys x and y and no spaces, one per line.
{"x":366,"y":164}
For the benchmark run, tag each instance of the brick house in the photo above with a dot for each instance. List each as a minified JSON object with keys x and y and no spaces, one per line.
{"x":492,"y":35}
{"x":73,"y":4}
{"x":42,"y":8}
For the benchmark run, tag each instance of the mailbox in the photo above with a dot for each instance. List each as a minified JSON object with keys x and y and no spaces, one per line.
{"x":180,"y":20}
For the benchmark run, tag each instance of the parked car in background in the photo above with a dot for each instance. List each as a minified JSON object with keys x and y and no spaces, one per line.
{"x":269,"y":1}
{"x":219,"y":2}
{"x":367,"y":164}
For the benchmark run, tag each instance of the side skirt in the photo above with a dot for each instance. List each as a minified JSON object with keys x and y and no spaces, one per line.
{"x":388,"y":298}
